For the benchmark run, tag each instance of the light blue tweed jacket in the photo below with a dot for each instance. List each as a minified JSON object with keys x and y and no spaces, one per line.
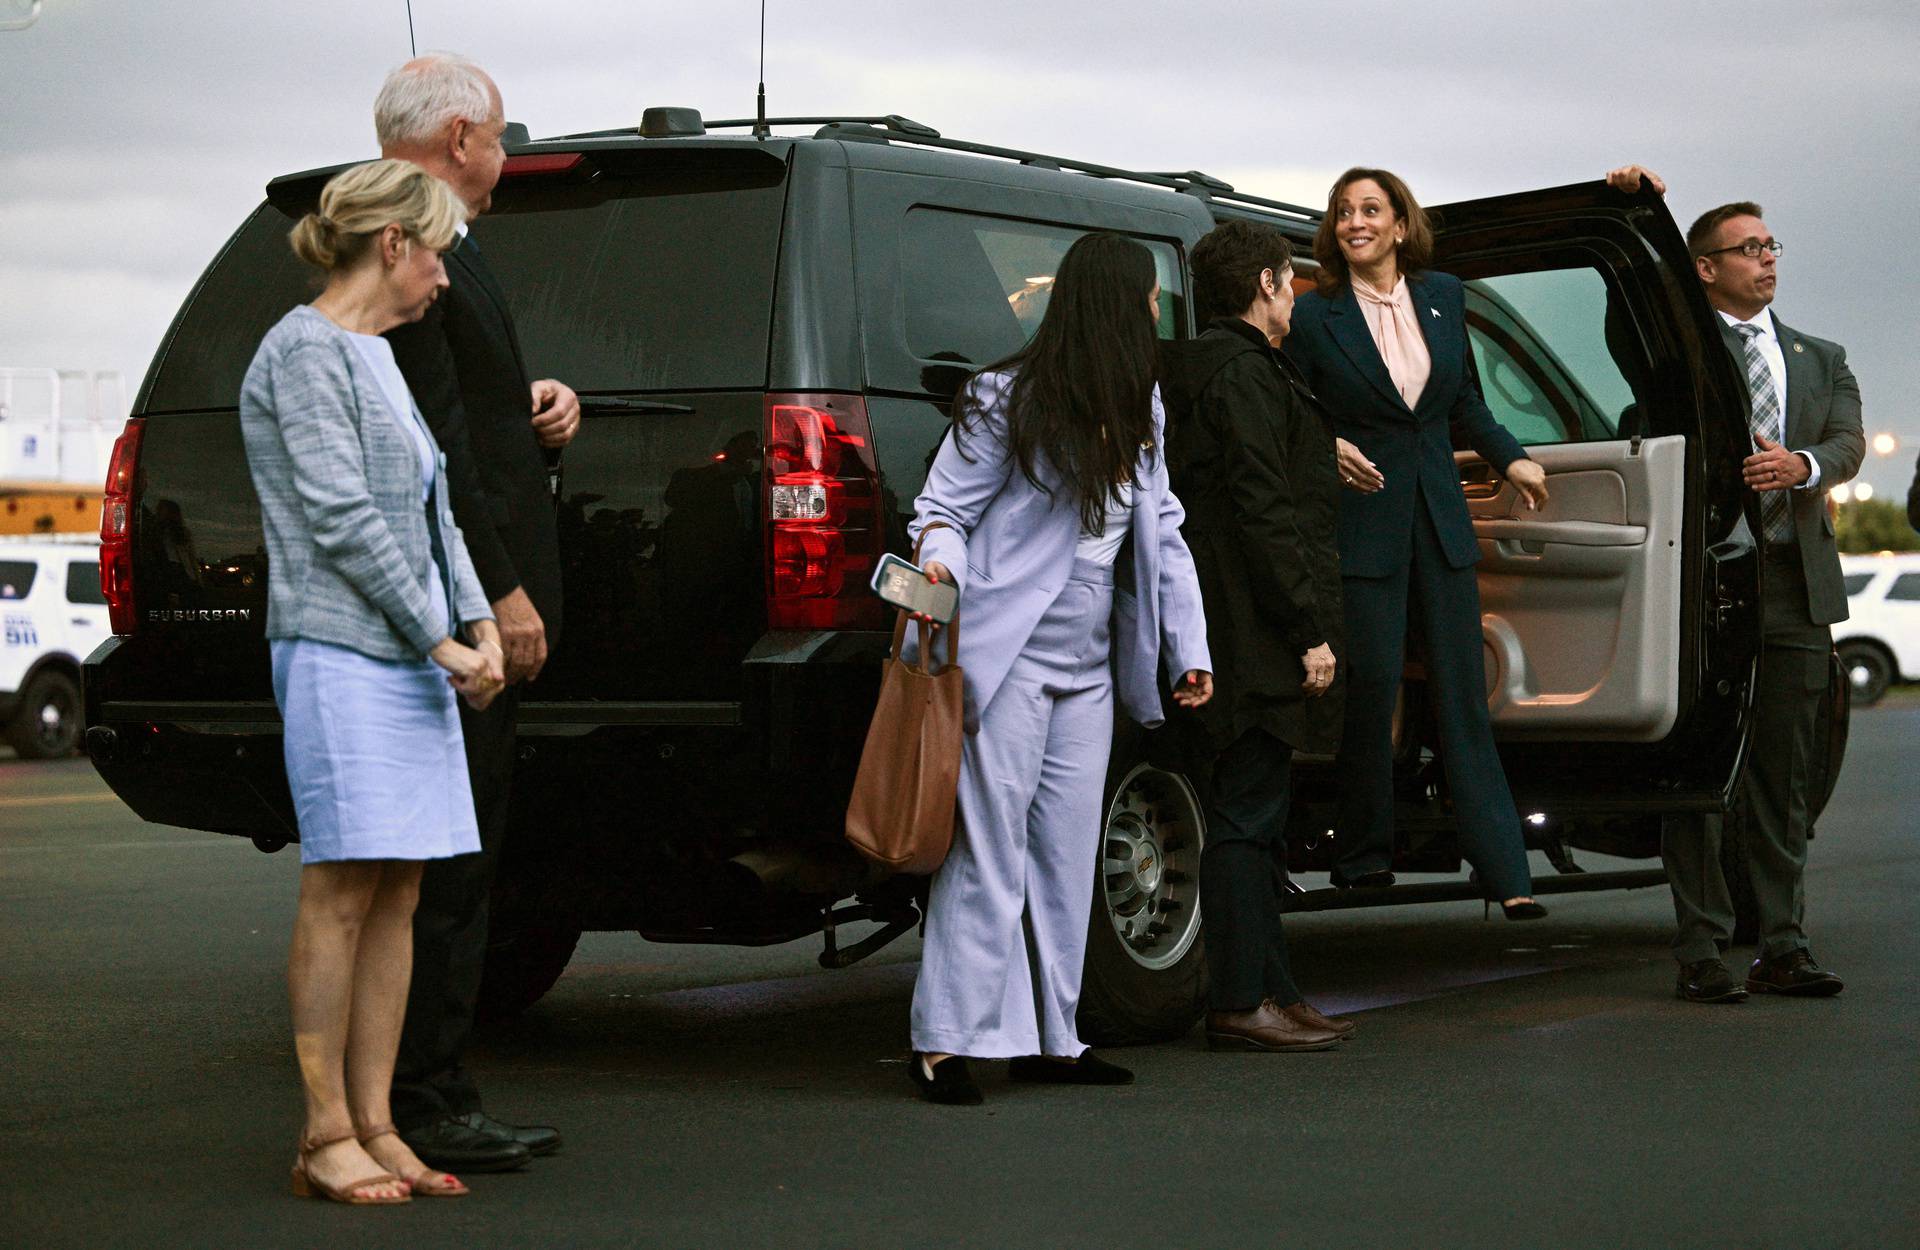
{"x":349,"y":556}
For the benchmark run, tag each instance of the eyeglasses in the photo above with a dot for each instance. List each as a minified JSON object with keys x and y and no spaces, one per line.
{"x":1750,"y":249}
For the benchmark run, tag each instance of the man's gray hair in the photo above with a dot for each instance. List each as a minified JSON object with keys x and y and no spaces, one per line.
{"x":428,"y":94}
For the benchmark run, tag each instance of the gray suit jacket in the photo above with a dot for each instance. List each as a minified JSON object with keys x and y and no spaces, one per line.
{"x":349,"y":555}
{"x":1823,"y":420}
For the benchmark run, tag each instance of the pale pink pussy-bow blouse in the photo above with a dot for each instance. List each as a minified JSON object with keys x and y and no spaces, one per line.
{"x":1396,"y":332}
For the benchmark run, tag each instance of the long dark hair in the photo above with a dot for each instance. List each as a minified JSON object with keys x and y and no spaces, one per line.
{"x":1082,"y":394}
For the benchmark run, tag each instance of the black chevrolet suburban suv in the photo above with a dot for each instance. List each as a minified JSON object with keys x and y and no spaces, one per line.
{"x":765,"y":330}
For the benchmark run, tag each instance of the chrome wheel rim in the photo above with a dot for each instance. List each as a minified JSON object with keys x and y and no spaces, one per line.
{"x":1150,"y":866}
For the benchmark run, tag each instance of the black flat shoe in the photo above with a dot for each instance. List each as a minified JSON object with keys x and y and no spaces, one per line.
{"x":1089,"y":1069}
{"x":1524,"y":911}
{"x":949,"y":1083}
{"x":1365,"y":881}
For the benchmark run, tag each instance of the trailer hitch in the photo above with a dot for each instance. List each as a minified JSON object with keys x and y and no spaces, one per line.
{"x":897,"y":917}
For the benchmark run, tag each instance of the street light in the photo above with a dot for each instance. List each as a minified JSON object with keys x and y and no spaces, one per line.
{"x":1841,"y":493}
{"x":1863,"y":491}
{"x":1885,"y":444}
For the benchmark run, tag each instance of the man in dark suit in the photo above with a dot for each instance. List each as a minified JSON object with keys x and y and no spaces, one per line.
{"x":464,"y":365}
{"x":1805,"y":421}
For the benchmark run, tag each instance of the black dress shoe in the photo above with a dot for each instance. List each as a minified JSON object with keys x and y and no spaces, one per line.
{"x":949,"y":1083}
{"x":454,"y":1144}
{"x":1708,"y":981}
{"x":1365,"y":881}
{"x":1794,"y":974}
{"x":537,"y":1138}
{"x":1088,"y":1069}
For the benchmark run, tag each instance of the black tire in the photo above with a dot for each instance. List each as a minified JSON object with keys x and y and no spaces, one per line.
{"x":48,"y":724}
{"x":522,"y":963}
{"x":1153,"y":987}
{"x":1733,"y":866}
{"x":1869,"y":671}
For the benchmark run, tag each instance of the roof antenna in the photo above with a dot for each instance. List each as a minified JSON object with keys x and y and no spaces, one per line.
{"x":413,"y":49}
{"x":760,"y":130}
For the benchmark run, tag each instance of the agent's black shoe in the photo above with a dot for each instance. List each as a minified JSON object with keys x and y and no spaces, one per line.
{"x":1088,"y":1069}
{"x":1528,"y":910}
{"x":456,"y":1145}
{"x":537,"y":1138}
{"x":1795,"y":974}
{"x":1365,"y":881}
{"x":1708,"y":981}
{"x":948,"y":1082}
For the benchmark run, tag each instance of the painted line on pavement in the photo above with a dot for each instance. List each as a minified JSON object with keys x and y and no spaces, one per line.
{"x":59,"y":800}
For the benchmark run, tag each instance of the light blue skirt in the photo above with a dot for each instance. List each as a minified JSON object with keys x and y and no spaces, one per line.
{"x":374,"y":753}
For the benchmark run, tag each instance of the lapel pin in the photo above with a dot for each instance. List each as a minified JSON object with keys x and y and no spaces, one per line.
{"x":1434,"y":311}
{"x":1798,"y":348}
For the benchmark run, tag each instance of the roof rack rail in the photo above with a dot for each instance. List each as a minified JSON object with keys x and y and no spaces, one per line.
{"x":892,"y":123}
{"x":1192,"y":182}
{"x":893,"y":128}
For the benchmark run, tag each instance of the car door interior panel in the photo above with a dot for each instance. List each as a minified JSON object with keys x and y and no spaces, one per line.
{"x":1580,"y":600}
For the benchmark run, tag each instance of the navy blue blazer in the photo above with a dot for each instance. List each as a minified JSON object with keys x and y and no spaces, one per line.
{"x":1412,"y":447}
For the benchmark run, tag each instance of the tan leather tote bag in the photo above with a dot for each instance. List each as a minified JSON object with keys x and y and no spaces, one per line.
{"x":901,"y":812}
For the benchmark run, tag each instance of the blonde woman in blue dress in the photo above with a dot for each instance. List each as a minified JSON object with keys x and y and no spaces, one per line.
{"x":375,"y":621}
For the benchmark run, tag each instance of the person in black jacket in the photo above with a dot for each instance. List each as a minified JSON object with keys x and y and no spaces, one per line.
{"x":1252,"y":458}
{"x":496,"y":426}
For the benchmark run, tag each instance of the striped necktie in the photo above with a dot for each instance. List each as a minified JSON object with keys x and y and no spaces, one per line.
{"x":1776,"y":511}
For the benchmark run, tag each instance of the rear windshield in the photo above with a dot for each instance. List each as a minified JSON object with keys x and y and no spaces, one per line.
{"x":658,"y":278}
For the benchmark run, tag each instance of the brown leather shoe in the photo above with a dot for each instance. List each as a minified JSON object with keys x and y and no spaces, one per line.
{"x":1306,"y":1013}
{"x":1265,"y":1028}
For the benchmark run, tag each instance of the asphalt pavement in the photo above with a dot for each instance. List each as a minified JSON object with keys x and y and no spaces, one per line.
{"x":1510,"y":1085}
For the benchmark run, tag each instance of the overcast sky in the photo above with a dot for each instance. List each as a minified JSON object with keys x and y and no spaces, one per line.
{"x":136,"y":135}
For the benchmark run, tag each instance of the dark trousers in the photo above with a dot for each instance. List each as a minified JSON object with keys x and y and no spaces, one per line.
{"x":1444,"y":603}
{"x":1790,"y":683}
{"x":450,"y":936}
{"x":1241,"y":893}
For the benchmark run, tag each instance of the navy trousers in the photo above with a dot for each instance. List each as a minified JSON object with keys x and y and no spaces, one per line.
{"x":1444,"y":604}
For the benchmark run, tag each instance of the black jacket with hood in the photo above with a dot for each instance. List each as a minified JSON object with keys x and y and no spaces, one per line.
{"x":1252,"y":459}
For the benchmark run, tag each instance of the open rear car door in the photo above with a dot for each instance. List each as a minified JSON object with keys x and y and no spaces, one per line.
{"x":1620,"y":621}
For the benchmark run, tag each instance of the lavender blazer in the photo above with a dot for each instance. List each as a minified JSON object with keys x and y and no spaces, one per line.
{"x":1011,"y":549}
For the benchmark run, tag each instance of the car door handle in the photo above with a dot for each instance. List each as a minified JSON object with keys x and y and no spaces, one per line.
{"x":1573,"y":533}
{"x":78,"y":620}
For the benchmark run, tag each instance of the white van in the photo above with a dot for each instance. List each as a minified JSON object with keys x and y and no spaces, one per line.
{"x":1879,"y":642}
{"x":51,"y":615}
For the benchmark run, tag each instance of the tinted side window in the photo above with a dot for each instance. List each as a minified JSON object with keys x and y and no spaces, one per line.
{"x":1905,"y":586}
{"x":661,"y":279}
{"x":1856,"y":582}
{"x":976,"y":287}
{"x":83,"y":582}
{"x":1545,"y":347}
{"x":16,"y":578}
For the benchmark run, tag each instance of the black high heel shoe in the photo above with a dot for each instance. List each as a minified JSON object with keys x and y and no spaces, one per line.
{"x":1524,"y":911}
{"x":947,"y":1082}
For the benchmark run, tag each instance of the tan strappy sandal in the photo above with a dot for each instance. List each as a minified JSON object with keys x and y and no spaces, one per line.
{"x":306,"y":1186}
{"x":428,"y":1182}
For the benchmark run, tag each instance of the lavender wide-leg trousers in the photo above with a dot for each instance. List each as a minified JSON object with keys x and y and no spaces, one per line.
{"x":1007,"y":921}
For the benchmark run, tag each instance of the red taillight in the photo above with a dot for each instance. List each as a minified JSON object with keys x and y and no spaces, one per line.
{"x":116,"y":527}
{"x":823,"y":530}
{"x":536,"y":163}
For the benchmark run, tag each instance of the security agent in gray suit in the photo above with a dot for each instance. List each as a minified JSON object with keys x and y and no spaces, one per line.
{"x":1805,"y":420}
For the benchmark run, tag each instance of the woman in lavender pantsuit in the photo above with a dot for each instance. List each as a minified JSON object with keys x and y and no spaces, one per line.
{"x":1049,"y":508}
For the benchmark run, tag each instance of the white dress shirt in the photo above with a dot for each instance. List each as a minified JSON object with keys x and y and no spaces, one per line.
{"x":1768,"y":341}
